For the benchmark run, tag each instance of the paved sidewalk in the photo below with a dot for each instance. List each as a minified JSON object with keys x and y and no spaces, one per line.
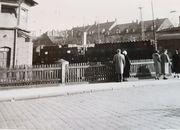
{"x":133,"y":105}
{"x":62,"y":90}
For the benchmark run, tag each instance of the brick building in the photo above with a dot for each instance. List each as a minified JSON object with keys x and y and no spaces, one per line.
{"x":15,"y":43}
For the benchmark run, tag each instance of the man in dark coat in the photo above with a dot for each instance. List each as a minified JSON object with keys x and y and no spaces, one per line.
{"x":119,"y":62}
{"x":176,"y":64}
{"x":126,"y":73}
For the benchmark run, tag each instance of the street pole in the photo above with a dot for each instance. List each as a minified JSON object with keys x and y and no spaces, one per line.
{"x":142,"y":25}
{"x":98,"y":32}
{"x":153,"y":27}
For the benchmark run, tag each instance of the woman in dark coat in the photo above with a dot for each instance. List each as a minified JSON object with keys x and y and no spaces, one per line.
{"x":126,"y":73}
{"x":176,"y":64}
{"x":157,"y":63}
{"x":165,"y":64}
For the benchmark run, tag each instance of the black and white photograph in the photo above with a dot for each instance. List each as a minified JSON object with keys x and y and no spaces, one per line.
{"x":89,"y":65}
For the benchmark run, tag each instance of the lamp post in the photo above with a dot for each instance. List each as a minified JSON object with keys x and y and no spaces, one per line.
{"x":142,"y":25}
{"x":153,"y":26}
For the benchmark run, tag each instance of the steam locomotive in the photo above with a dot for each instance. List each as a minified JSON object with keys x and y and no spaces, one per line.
{"x":99,"y":53}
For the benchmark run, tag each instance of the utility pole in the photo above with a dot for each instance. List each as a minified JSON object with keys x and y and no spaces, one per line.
{"x":142,"y":25}
{"x":153,"y":26}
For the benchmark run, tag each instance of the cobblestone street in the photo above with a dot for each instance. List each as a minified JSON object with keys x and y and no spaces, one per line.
{"x":145,"y":107}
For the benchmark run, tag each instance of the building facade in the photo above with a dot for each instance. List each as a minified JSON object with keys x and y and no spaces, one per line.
{"x":109,"y":32}
{"x":15,"y":44}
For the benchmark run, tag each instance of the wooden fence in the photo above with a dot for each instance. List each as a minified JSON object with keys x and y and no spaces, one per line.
{"x":70,"y":73}
{"x":28,"y":75}
{"x":98,"y":72}
{"x":88,"y":72}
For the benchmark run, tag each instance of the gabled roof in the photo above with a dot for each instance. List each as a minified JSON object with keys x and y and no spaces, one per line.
{"x":121,"y":28}
{"x":43,"y":40}
{"x":101,"y":26}
{"x":82,"y":28}
{"x":149,"y":24}
{"x":135,"y":27}
{"x":56,"y":40}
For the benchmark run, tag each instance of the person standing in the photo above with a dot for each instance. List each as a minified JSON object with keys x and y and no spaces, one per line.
{"x":157,"y":63}
{"x":176,"y":64}
{"x":165,"y":63}
{"x":126,"y":73}
{"x":119,"y":62}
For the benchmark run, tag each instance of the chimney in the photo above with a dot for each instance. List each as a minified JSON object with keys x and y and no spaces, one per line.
{"x":85,"y":38}
{"x":137,"y":21}
{"x":95,"y":22}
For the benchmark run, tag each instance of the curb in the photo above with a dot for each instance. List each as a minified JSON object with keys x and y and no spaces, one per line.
{"x":37,"y":93}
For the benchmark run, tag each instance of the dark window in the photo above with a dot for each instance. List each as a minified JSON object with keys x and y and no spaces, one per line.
{"x":8,"y":9}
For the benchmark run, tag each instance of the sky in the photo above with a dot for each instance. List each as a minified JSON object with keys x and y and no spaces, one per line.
{"x":65,"y":14}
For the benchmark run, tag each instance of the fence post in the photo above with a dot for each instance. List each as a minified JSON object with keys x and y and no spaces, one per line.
{"x":64,"y":64}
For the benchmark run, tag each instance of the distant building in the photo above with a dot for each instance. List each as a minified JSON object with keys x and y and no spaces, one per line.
{"x":112,"y":32}
{"x":96,"y":33}
{"x":15,"y":43}
{"x":132,"y":31}
{"x":51,"y":38}
{"x":169,"y":39}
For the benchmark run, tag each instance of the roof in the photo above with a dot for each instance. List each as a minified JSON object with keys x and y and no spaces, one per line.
{"x":170,"y":30}
{"x":13,"y":28}
{"x":149,"y":23}
{"x":56,"y":40}
{"x":82,"y":28}
{"x":135,"y":27}
{"x":101,"y":26}
{"x":121,"y":28}
{"x":23,"y":34}
{"x":43,"y":40}
{"x":48,"y":40}
{"x":169,"y":36}
{"x":31,"y":2}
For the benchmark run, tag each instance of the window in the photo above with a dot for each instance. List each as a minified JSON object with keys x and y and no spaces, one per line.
{"x":103,"y":30}
{"x":24,"y":15}
{"x":9,"y":9}
{"x":127,"y":30}
{"x":4,"y":57}
{"x":118,"y":31}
